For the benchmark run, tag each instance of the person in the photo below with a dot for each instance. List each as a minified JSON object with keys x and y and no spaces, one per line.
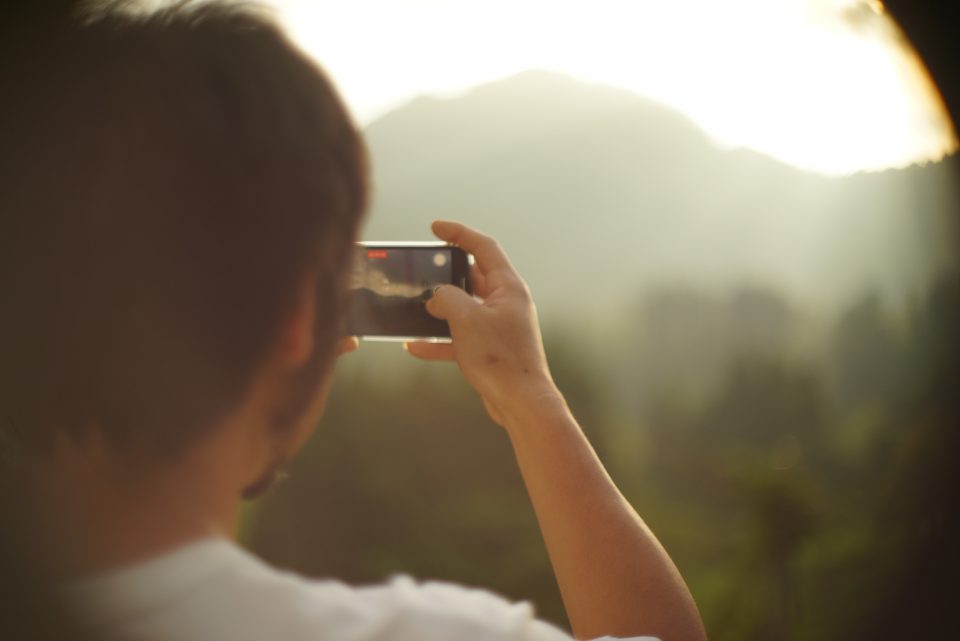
{"x":181,"y":190}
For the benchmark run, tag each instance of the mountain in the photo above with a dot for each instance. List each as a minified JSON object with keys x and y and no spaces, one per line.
{"x":599,"y":194}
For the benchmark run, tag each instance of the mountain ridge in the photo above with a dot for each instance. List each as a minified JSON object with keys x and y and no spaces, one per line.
{"x":630,"y":193}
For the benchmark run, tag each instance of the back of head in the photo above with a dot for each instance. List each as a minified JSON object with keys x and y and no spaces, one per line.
{"x":167,"y":181}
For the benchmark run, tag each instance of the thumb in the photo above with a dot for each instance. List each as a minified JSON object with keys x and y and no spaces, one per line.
{"x":449,"y":301}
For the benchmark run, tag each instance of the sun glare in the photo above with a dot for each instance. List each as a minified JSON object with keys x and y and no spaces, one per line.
{"x":826,"y":85}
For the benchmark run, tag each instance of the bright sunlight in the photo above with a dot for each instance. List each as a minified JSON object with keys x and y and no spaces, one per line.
{"x":826,"y":85}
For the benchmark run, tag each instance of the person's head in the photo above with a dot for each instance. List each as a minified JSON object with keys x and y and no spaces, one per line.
{"x":179,"y":195}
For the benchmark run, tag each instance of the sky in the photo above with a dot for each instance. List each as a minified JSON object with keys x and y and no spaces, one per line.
{"x":826,"y":85}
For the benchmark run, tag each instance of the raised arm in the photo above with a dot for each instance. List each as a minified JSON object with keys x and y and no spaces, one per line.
{"x":615,"y":577}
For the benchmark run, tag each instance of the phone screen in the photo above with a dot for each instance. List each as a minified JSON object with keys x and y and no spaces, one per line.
{"x":389,"y":288}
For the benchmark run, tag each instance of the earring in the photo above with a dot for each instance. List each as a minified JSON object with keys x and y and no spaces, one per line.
{"x":274,"y":475}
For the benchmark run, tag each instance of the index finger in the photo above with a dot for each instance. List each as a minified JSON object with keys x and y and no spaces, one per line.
{"x":490,"y":256}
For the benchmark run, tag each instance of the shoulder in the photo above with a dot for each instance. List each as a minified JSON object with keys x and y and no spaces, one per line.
{"x":403,"y":608}
{"x":214,"y":591}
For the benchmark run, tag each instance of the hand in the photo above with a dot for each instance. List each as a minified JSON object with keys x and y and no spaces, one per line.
{"x":496,"y":337}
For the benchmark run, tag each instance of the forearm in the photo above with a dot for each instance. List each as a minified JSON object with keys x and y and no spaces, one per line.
{"x":614,"y":576}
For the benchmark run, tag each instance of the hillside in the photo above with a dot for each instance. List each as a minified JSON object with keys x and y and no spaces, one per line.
{"x":598,"y":194}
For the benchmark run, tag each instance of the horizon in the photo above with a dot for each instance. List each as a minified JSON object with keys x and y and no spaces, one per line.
{"x":541,"y":149}
{"x":829,"y":86}
{"x":454,"y":97}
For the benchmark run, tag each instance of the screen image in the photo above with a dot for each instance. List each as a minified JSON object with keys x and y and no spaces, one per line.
{"x":389,"y":288}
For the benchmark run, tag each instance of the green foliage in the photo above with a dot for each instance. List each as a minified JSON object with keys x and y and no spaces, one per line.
{"x":765,"y":483}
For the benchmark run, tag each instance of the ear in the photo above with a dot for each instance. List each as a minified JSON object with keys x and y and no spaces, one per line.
{"x":297,"y":338}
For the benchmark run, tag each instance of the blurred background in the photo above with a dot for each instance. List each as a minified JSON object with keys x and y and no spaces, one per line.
{"x":738,"y":221}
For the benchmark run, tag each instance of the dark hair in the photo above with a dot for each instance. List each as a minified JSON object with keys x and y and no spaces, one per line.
{"x":168,"y":181}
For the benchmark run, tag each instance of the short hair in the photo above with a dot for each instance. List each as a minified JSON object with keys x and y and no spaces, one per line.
{"x":168,"y":181}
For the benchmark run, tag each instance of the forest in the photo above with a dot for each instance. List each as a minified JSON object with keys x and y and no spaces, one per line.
{"x":780,"y":472}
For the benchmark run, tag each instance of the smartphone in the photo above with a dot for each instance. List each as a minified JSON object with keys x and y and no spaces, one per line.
{"x":390,"y":284}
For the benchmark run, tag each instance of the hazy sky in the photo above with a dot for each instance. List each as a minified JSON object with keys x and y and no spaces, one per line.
{"x":822,"y":84}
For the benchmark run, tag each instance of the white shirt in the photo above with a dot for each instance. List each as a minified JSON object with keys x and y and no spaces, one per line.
{"x":212,"y":590}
